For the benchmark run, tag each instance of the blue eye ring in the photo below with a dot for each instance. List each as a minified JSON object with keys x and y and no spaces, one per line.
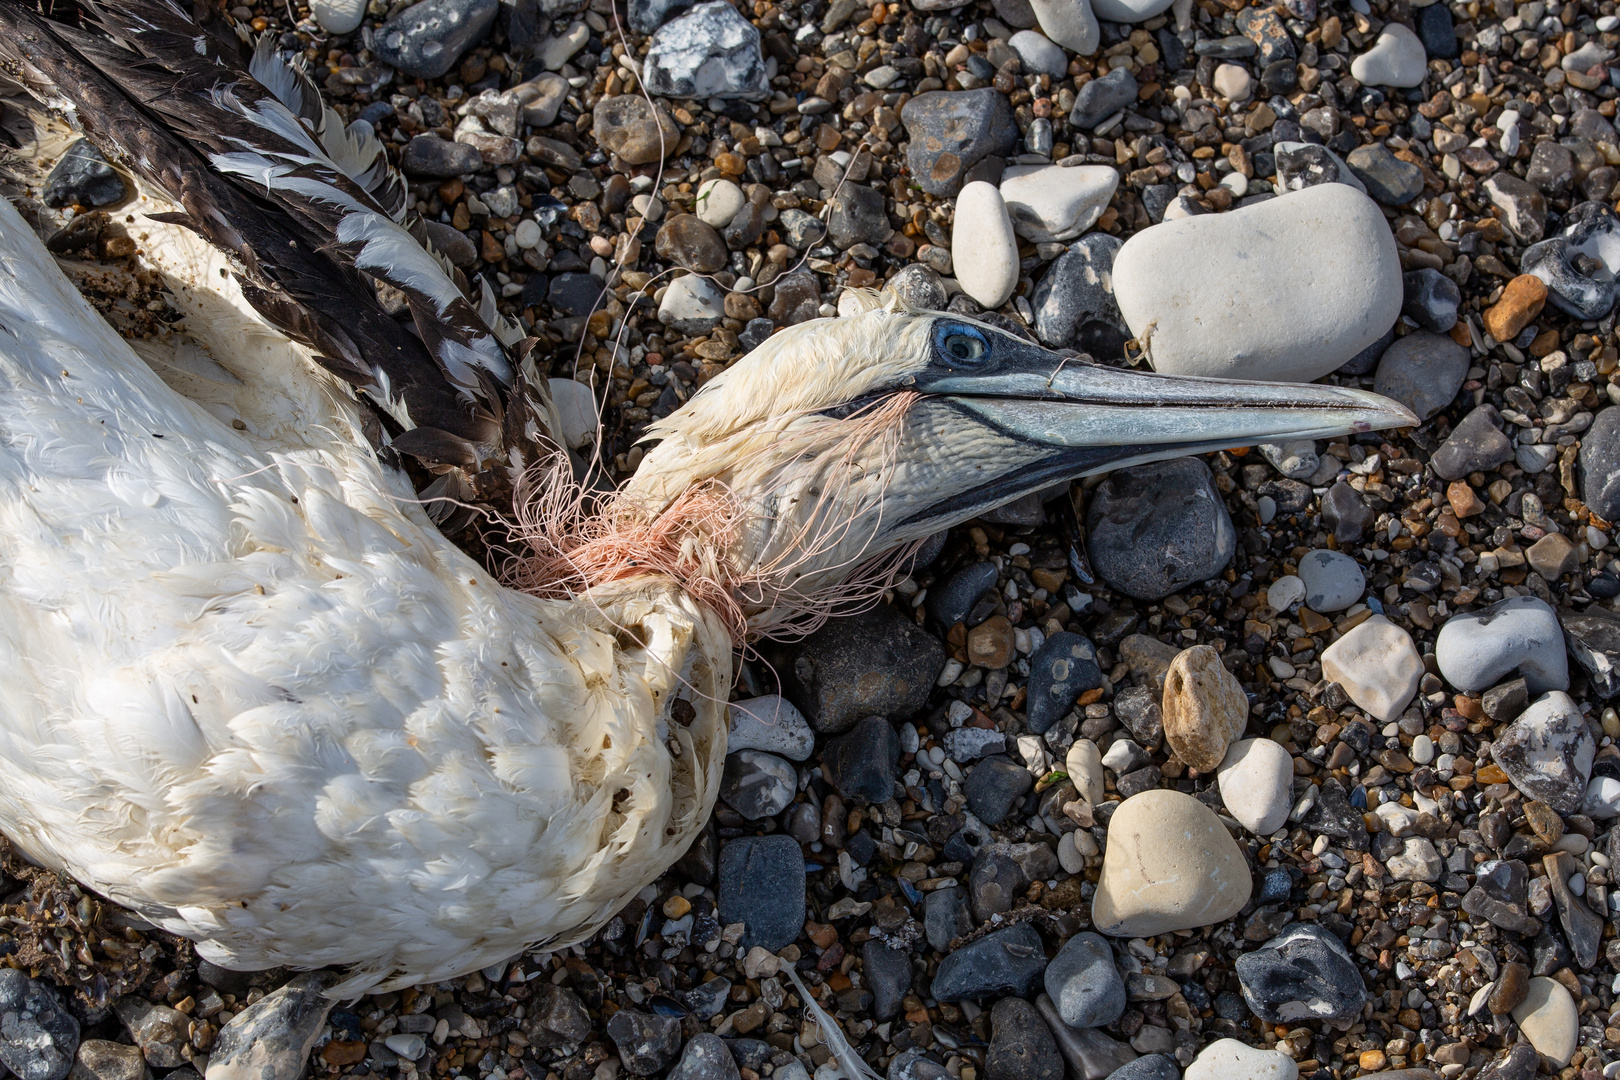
{"x":959,"y":343}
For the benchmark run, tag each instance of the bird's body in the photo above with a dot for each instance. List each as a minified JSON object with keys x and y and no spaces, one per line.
{"x":254,"y":694}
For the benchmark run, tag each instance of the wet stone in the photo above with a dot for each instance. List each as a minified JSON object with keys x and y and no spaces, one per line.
{"x":38,"y":1035}
{"x":861,"y":765}
{"x":993,"y":786}
{"x":1154,"y":529}
{"x":1021,"y":1045}
{"x":1009,"y":961}
{"x":1084,"y":984}
{"x":646,"y":1041}
{"x":1304,"y":973}
{"x":427,"y":39}
{"x":762,"y":886}
{"x":875,"y":663}
{"x":1063,"y":668}
{"x":709,"y":52}
{"x":952,"y":132}
{"x":756,"y":784}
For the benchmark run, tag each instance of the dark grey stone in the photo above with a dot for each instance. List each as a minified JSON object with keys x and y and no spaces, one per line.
{"x":1021,"y":1045}
{"x":1101,"y":98}
{"x":887,"y":973}
{"x":861,"y":765}
{"x":575,"y":293}
{"x":1519,"y":1063}
{"x":38,"y":1035}
{"x":951,"y":601}
{"x":1089,"y":1052}
{"x":1367,"y":359}
{"x":1076,"y":290}
{"x":1151,"y":1067}
{"x":1345,"y":512}
{"x":1431,"y":300}
{"x":1304,"y":973}
{"x":438,"y":159}
{"x":1551,"y":168}
{"x":426,"y":40}
{"x":946,"y":916}
{"x":1583,"y":928}
{"x":646,"y":16}
{"x":1156,"y":528}
{"x":758,"y":785}
{"x":1593,"y":639}
{"x":1600,"y":465}
{"x":1387,"y":178}
{"x":1007,"y":961}
{"x":646,"y":1041}
{"x":1475,"y":445}
{"x":994,"y":786}
{"x":1435,"y":30}
{"x":994,"y":881}
{"x":762,"y":887}
{"x":876,"y":663}
{"x":951,"y":132}
{"x":84,"y":178}
{"x":1423,"y":371}
{"x":1084,"y":984}
{"x":556,"y":1019}
{"x":1138,"y":709}
{"x":706,"y":1057}
{"x":1063,"y":668}
{"x":858,"y":217}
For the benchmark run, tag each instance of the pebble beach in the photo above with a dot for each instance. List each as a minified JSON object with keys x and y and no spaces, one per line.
{"x":1288,"y":761}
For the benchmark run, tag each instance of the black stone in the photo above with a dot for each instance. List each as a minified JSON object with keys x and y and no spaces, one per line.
{"x":1304,"y":973}
{"x":1520,"y":1062}
{"x":946,"y":916}
{"x":1367,"y":359}
{"x":1154,"y":529}
{"x":952,"y":132}
{"x":1021,"y":1045}
{"x":762,"y":887}
{"x":1101,"y":98}
{"x":1009,"y":961}
{"x":426,"y":40}
{"x":1600,"y":465}
{"x":994,"y":786}
{"x":1430,"y":298}
{"x":858,"y":217}
{"x":575,"y":294}
{"x":39,"y":1036}
{"x":1435,"y":30}
{"x":646,"y":1041}
{"x":861,"y":765}
{"x":83,"y":177}
{"x":1151,"y":1067}
{"x":757,"y":784}
{"x":1077,"y":291}
{"x":887,"y":974}
{"x":876,"y":663}
{"x":1138,"y":709}
{"x":755,"y":333}
{"x":438,"y":159}
{"x":950,"y":601}
{"x":1387,"y":178}
{"x":1274,"y":887}
{"x":1334,"y":816}
{"x":1475,"y":445}
{"x":1063,"y":668}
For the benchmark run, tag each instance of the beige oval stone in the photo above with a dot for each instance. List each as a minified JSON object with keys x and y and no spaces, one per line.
{"x":1204,"y":707}
{"x":1548,"y":1018}
{"x":1085,"y":768}
{"x":1169,"y":865}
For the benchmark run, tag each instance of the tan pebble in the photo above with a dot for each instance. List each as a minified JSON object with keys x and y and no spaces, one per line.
{"x":1204,"y":707}
{"x":1521,"y":301}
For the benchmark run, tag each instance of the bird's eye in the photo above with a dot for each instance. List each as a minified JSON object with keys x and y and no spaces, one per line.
{"x":964,"y":347}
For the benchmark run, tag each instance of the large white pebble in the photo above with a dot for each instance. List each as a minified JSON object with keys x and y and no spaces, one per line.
{"x":1128,"y":11}
{"x":1257,"y":784}
{"x":1070,"y":23}
{"x":1228,"y":1059}
{"x":1395,"y":59}
{"x":718,"y":201}
{"x":1053,"y":203}
{"x":1548,"y":1018}
{"x":1284,"y":290}
{"x":987,"y":249}
{"x":338,"y":16}
{"x":1377,"y":665}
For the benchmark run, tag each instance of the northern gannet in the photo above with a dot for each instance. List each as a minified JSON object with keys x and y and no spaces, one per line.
{"x":255,"y":695}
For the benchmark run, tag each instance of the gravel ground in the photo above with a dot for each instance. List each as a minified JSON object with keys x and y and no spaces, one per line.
{"x":1438,"y":825}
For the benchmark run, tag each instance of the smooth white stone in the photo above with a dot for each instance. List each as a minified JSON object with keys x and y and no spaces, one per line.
{"x":1285,"y":592}
{"x":1070,"y":23}
{"x":1377,"y":665}
{"x":1084,"y":765}
{"x":1285,"y":290}
{"x":692,"y":300}
{"x":577,"y":408}
{"x":983,"y":228}
{"x":1422,"y":750}
{"x":1395,"y":59}
{"x":1054,"y":203}
{"x":1040,"y":54}
{"x":1602,"y":798}
{"x":1128,"y":11}
{"x":1169,"y":865}
{"x":1257,"y":784}
{"x":1548,"y":1018}
{"x":1233,"y":81}
{"x":553,"y":53}
{"x":528,"y":234}
{"x":718,"y":201}
{"x":1228,"y":1059}
{"x":338,"y":16}
{"x":770,"y":723}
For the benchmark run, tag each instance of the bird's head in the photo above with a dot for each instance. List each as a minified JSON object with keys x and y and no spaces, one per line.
{"x":840,"y":440}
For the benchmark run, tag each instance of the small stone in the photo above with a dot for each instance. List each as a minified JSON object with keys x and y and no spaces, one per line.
{"x":972,"y":743}
{"x":860,"y":765}
{"x":102,"y":1060}
{"x":556,"y":1019}
{"x":1084,"y":984}
{"x":1153,"y":529}
{"x":688,"y":241}
{"x":558,"y":49}
{"x":1436,"y":32}
{"x":435,"y":158}
{"x":1431,"y":300}
{"x":1169,"y":865}
{"x":770,"y":723}
{"x":1522,"y":300}
{"x":1021,"y":1045}
{"x":798,"y":298}
{"x":427,"y":39}
{"x":921,"y":289}
{"x":1416,"y":861}
{"x":1055,"y":203}
{"x":1285,"y":592}
{"x":1423,"y":371}
{"x":757,"y":785}
{"x":1085,"y":768}
{"x":705,"y":1057}
{"x":1285,"y":290}
{"x":1593,"y":639}
{"x":1475,"y":445}
{"x":1551,"y":169}
{"x":858,"y":216}
{"x":1574,"y":262}
{"x":946,"y":916}
{"x":1072,"y":25}
{"x":1385,"y":177}
{"x":1547,"y":752}
{"x":952,"y":132}
{"x":718,"y":201}
{"x":1076,"y":295}
{"x":692,"y":305}
{"x":1148,"y":1067}
{"x":876,"y":663}
{"x":1583,"y":928}
{"x":1524,"y":209}
{"x":1600,"y":465}
{"x":1088,"y":1051}
{"x":993,"y":786}
{"x":38,"y":1035}
{"x":1512,"y":986}
{"x":1228,"y":1059}
{"x":991,"y":644}
{"x":1101,"y":98}
{"x":1552,"y":556}
{"x":1304,"y":973}
{"x":1233,"y":81}
{"x":1204,"y":708}
{"x":1296,"y":460}
{"x":338,"y":17}
{"x":407,"y":1045}
{"x":1256,"y":782}
{"x":709,"y":52}
{"x":984,"y":228}
{"x":1377,"y":664}
{"x":1040,"y":55}
{"x":762,"y":886}
{"x":1301,"y":165}
{"x":646,"y":1041}
{"x":1548,"y":1018}
{"x":638,"y":133}
{"x":1008,"y":961}
{"x":271,"y":1038}
{"x":1478,"y":649}
{"x":83,"y":178}
{"x":951,"y":601}
{"x":1063,"y":668}
{"x":1395,"y":59}
{"x":1333,"y":580}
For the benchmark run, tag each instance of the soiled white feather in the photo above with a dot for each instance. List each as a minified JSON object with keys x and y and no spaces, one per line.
{"x":848,"y":1060}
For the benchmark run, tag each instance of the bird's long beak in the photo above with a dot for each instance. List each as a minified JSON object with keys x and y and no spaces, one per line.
{"x":1053,"y":418}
